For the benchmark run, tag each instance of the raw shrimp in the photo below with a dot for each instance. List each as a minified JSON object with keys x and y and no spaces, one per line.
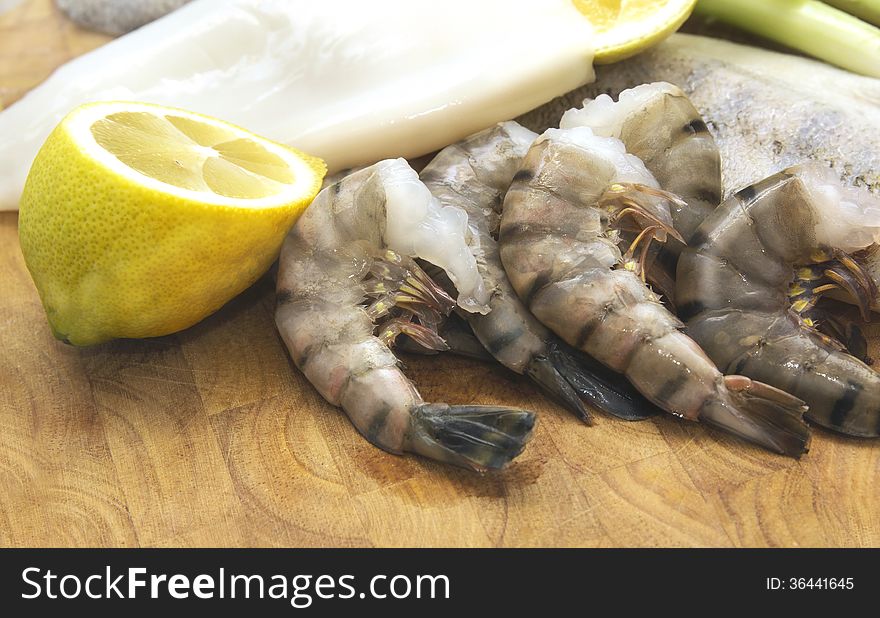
{"x":658,"y":124}
{"x":559,"y":248}
{"x":750,"y":283}
{"x":474,"y":174}
{"x":346,"y":263}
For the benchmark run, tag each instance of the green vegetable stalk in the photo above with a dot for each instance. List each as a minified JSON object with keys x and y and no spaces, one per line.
{"x":810,"y":26}
{"x":869,"y":10}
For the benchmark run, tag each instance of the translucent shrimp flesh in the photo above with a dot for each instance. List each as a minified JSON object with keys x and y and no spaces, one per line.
{"x":559,"y":246}
{"x":348,"y":285}
{"x":658,"y":124}
{"x":474,"y":174}
{"x":751,"y":283}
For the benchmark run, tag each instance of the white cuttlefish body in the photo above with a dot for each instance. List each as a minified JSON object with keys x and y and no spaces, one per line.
{"x":349,"y":81}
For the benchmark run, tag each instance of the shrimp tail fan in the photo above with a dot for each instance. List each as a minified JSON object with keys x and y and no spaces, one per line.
{"x":601,"y":387}
{"x":476,"y":437}
{"x":760,"y":413}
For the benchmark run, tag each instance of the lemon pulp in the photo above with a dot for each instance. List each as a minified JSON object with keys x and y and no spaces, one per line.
{"x":192,"y":155}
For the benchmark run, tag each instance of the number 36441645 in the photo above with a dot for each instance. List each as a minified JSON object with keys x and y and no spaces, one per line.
{"x":810,"y":583}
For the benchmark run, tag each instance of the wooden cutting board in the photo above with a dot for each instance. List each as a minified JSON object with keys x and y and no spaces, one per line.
{"x":212,"y":437}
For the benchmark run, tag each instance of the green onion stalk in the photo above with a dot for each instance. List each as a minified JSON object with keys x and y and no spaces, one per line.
{"x":869,"y":10}
{"x":810,"y":26}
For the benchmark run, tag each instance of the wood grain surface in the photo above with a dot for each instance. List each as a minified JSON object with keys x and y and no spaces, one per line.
{"x":211,"y":437}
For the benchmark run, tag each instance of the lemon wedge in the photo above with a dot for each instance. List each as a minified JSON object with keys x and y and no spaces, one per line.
{"x":138,"y":220}
{"x":626,"y":27}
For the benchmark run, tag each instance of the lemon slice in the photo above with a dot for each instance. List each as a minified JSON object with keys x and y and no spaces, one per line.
{"x":138,"y":220}
{"x":625,"y":27}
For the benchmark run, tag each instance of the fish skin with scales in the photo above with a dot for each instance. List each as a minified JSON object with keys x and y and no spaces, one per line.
{"x":116,"y":16}
{"x":767,"y":110}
